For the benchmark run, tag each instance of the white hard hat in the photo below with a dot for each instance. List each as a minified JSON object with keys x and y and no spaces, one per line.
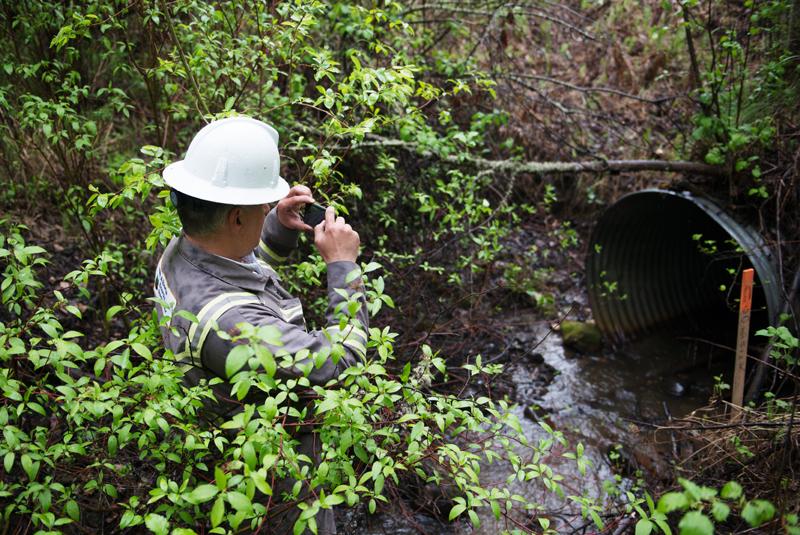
{"x":231,"y":161}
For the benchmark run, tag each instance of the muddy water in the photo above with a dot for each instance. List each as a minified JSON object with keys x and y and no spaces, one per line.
{"x":601,"y":400}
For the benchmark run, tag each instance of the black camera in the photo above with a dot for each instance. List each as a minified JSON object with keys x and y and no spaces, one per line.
{"x":314,"y":214}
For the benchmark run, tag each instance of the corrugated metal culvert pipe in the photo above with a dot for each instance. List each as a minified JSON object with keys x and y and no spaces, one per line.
{"x":659,"y":258}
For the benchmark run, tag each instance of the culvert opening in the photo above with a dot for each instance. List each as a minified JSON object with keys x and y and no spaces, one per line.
{"x":663,"y":260}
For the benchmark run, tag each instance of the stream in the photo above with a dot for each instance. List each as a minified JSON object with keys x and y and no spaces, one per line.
{"x":604,"y":401}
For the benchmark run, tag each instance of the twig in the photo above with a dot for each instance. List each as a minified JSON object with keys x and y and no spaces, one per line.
{"x":695,"y":70}
{"x":515,"y":11}
{"x":486,"y":29}
{"x":200,"y":102}
{"x":671,"y":433}
{"x":716,"y":426}
{"x":731,"y":349}
{"x":624,"y":524}
{"x":582,"y":89}
{"x":788,"y":437}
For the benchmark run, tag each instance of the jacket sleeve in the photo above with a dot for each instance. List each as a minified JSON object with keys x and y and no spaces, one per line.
{"x":277,"y":241}
{"x":345,"y":332}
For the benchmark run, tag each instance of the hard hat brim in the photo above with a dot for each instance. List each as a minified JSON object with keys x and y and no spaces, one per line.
{"x":178,"y":177}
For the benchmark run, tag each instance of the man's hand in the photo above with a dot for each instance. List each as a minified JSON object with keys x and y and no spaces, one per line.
{"x":335,"y":239}
{"x":290,"y":206}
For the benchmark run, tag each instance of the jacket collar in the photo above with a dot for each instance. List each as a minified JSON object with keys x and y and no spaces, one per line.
{"x":222,"y":268}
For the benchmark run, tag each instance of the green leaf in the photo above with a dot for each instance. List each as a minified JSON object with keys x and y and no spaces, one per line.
{"x":662,"y":524}
{"x":31,"y":468}
{"x":731,"y":491}
{"x":473,"y":517}
{"x":188,"y":316}
{"x":142,"y":350}
{"x":372,"y":266}
{"x":266,"y":359}
{"x":236,"y":359}
{"x":696,"y":523}
{"x":220,"y":477}
{"x":33,"y":249}
{"x":99,"y":366}
{"x":456,"y":510}
{"x":111,"y":312}
{"x":495,"y":509}
{"x":249,"y":454}
{"x":260,"y":481}
{"x":696,"y":491}
{"x":202,"y":494}
{"x":217,"y":512}
{"x":596,"y":519}
{"x":720,"y":511}
{"x":112,"y":445}
{"x":72,"y":510}
{"x":644,"y":527}
{"x":352,"y":275}
{"x":8,"y":461}
{"x":156,"y":523}
{"x":715,"y":156}
{"x":756,"y":512}
{"x":331,"y":500}
{"x":239,"y":501}
{"x":672,"y":501}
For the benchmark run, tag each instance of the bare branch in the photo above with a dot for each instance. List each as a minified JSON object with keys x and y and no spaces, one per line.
{"x":512,"y":9}
{"x":609,"y":90}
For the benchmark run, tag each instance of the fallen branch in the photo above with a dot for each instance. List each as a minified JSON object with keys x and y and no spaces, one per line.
{"x":537,"y":168}
{"x":599,"y":166}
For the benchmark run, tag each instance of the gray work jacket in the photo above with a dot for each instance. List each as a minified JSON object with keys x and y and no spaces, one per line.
{"x":222,"y":293}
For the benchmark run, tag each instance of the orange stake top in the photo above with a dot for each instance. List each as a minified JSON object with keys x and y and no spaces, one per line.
{"x":746,"y":297}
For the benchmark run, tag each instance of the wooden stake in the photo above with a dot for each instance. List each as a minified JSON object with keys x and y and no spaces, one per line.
{"x":745,"y":301}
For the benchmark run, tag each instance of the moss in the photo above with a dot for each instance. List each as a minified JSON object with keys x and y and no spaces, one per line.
{"x":581,"y":336}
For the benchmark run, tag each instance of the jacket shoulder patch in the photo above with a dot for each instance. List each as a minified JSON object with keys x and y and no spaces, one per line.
{"x":164,"y":293}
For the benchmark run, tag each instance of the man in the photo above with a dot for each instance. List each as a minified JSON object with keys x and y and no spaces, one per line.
{"x":218,"y":269}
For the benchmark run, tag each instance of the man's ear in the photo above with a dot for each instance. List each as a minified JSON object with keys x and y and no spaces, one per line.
{"x":234,"y":218}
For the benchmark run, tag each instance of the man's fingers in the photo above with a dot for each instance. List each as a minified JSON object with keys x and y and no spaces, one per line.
{"x":319,"y":231}
{"x":297,"y":200}
{"x":299,"y":189}
{"x":330,"y":216}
